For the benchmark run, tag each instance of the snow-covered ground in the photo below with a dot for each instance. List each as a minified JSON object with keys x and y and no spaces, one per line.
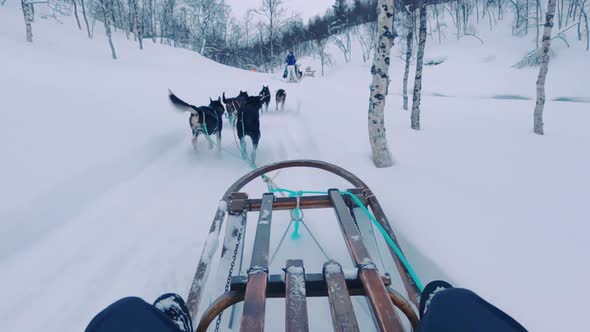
{"x":103,"y":197}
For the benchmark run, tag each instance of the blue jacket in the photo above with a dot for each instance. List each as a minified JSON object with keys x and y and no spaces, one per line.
{"x":291,"y":60}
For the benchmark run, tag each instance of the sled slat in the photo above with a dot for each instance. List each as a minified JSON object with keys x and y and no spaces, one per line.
{"x":343,"y":317}
{"x":383,"y":309}
{"x":203,"y":268}
{"x":255,"y":297}
{"x":233,"y":225}
{"x":315,"y":285}
{"x":295,"y":302}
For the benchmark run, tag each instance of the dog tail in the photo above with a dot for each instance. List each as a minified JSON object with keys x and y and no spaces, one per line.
{"x":180,"y":105}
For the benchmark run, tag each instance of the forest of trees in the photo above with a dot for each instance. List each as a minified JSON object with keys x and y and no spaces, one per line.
{"x":261,"y":38}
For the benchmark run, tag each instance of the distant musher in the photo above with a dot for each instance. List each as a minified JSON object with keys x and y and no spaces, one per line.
{"x":291,"y":70}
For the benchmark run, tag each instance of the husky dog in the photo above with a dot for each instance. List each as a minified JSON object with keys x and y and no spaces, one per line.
{"x":248,"y":123}
{"x":265,"y":97}
{"x":280,"y":98}
{"x":204,"y":119}
{"x":231,"y":105}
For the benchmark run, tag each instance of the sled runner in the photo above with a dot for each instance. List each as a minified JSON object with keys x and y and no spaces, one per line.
{"x":364,"y":229}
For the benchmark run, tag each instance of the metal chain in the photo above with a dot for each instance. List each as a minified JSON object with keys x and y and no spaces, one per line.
{"x":233,"y":263}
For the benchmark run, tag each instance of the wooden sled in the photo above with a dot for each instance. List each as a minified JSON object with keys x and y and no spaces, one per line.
{"x":390,"y":310}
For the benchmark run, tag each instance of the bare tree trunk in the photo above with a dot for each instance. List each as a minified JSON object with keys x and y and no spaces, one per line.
{"x":409,"y":40}
{"x":28,"y":15}
{"x":152,"y":14}
{"x":76,"y":14}
{"x":583,"y":13}
{"x":457,"y":19}
{"x":85,"y":18}
{"x":415,"y":117}
{"x":135,"y":22}
{"x":106,"y":9}
{"x":438,"y":24}
{"x":538,"y":113}
{"x":133,"y":17}
{"x":380,"y":70}
{"x":201,"y":52}
{"x":560,"y":12}
{"x":569,"y":12}
{"x":538,"y":19}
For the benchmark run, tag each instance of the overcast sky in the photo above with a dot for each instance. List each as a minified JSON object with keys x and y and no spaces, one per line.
{"x":307,"y":8}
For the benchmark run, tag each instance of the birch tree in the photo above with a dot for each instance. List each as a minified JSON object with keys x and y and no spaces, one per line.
{"x":380,"y":71}
{"x":340,"y":28}
{"x":409,"y":41}
{"x":136,"y":22}
{"x":415,"y":117}
{"x":151,"y":17}
{"x":205,"y":12}
{"x":85,"y":18}
{"x":106,"y":7}
{"x":28,"y":15}
{"x":76,"y":14}
{"x":247,"y":22}
{"x":274,"y":12}
{"x":546,"y":43}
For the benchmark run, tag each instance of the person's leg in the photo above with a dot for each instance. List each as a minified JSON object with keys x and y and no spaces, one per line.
{"x":131,"y":314}
{"x":291,"y":69}
{"x":461,"y":310}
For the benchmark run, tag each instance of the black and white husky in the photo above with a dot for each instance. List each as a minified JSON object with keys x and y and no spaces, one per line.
{"x":280,"y":98}
{"x":204,"y":119}
{"x":265,"y":97}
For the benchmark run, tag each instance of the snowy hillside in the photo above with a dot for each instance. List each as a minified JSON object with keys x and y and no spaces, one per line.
{"x":103,"y":196}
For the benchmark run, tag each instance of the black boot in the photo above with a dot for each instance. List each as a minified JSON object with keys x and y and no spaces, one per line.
{"x":429,"y":292}
{"x":173,"y":306}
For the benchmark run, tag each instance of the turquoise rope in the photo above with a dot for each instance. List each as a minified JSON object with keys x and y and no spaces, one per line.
{"x":358,"y":202}
{"x":368,"y":213}
{"x":297,"y":215}
{"x":248,"y":161}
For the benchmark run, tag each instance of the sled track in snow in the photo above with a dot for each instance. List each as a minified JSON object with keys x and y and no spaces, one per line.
{"x":79,"y":192}
{"x":143,"y":210}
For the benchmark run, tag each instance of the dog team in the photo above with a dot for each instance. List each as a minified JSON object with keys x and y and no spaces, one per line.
{"x":243,"y":112}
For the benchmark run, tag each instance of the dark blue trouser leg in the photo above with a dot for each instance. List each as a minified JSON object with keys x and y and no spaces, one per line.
{"x":461,"y":310}
{"x":131,"y":314}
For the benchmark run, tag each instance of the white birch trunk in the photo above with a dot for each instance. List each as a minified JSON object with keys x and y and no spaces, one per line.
{"x":133,"y":14}
{"x":538,"y":113}
{"x":203,"y":45}
{"x":28,"y":15}
{"x":409,"y":40}
{"x":136,"y":23}
{"x":415,"y":117}
{"x":106,"y":8}
{"x":380,"y":71}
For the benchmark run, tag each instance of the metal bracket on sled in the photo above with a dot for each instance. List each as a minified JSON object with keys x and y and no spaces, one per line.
{"x":237,"y":203}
